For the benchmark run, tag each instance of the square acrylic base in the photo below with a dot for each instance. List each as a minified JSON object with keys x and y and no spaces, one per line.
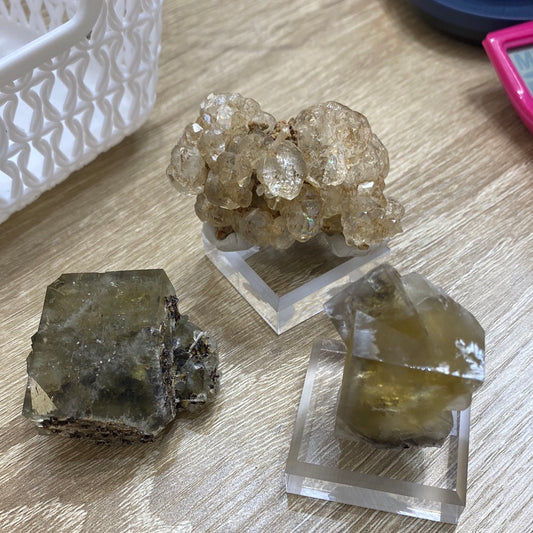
{"x":286,"y":287}
{"x":426,"y":483}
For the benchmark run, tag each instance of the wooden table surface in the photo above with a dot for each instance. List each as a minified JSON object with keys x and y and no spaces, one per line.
{"x":462,"y":165}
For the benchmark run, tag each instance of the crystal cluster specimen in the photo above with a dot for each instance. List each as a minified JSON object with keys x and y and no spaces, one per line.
{"x":114,"y":360}
{"x":274,"y":183}
{"x":413,"y":356}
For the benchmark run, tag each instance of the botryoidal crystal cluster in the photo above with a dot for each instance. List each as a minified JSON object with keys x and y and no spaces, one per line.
{"x":277,"y":182}
{"x":413,"y":356}
{"x":114,"y":360}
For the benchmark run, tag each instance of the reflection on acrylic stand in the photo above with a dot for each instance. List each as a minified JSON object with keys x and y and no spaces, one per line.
{"x":286,"y":287}
{"x":427,"y":483}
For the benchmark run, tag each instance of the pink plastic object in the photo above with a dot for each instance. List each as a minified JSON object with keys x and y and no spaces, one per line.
{"x":511,"y":53}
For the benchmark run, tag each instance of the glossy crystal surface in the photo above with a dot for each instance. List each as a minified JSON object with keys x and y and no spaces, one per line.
{"x":113,"y":359}
{"x":279,"y":182}
{"x":413,"y":356}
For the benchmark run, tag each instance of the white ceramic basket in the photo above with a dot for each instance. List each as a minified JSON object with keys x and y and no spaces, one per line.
{"x":76,"y":77}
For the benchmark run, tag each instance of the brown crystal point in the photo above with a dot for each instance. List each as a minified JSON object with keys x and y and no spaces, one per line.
{"x":413,"y":356}
{"x":113,"y":359}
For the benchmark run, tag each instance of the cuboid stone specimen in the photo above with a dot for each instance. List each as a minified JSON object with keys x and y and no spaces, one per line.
{"x":277,"y":182}
{"x":413,"y":356}
{"x":114,"y":360}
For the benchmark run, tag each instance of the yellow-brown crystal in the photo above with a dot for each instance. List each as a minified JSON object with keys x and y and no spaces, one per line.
{"x":413,"y":356}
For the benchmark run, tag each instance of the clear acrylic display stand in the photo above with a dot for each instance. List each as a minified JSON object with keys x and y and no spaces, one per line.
{"x":289,"y":286}
{"x":426,"y":483}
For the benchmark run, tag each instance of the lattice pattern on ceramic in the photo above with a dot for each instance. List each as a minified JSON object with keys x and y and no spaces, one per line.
{"x":60,"y":115}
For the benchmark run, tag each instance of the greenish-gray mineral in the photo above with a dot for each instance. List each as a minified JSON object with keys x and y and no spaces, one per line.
{"x":114,"y":360}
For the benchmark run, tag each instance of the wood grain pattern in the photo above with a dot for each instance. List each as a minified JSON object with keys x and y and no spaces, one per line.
{"x":461,"y":163}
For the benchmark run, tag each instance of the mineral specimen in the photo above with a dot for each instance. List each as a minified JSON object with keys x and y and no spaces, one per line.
{"x":114,"y":360}
{"x":275,"y":183}
{"x":413,"y":356}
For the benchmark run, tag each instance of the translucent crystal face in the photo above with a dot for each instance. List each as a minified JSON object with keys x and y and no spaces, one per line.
{"x":280,"y":182}
{"x":413,"y":356}
{"x":113,"y":359}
